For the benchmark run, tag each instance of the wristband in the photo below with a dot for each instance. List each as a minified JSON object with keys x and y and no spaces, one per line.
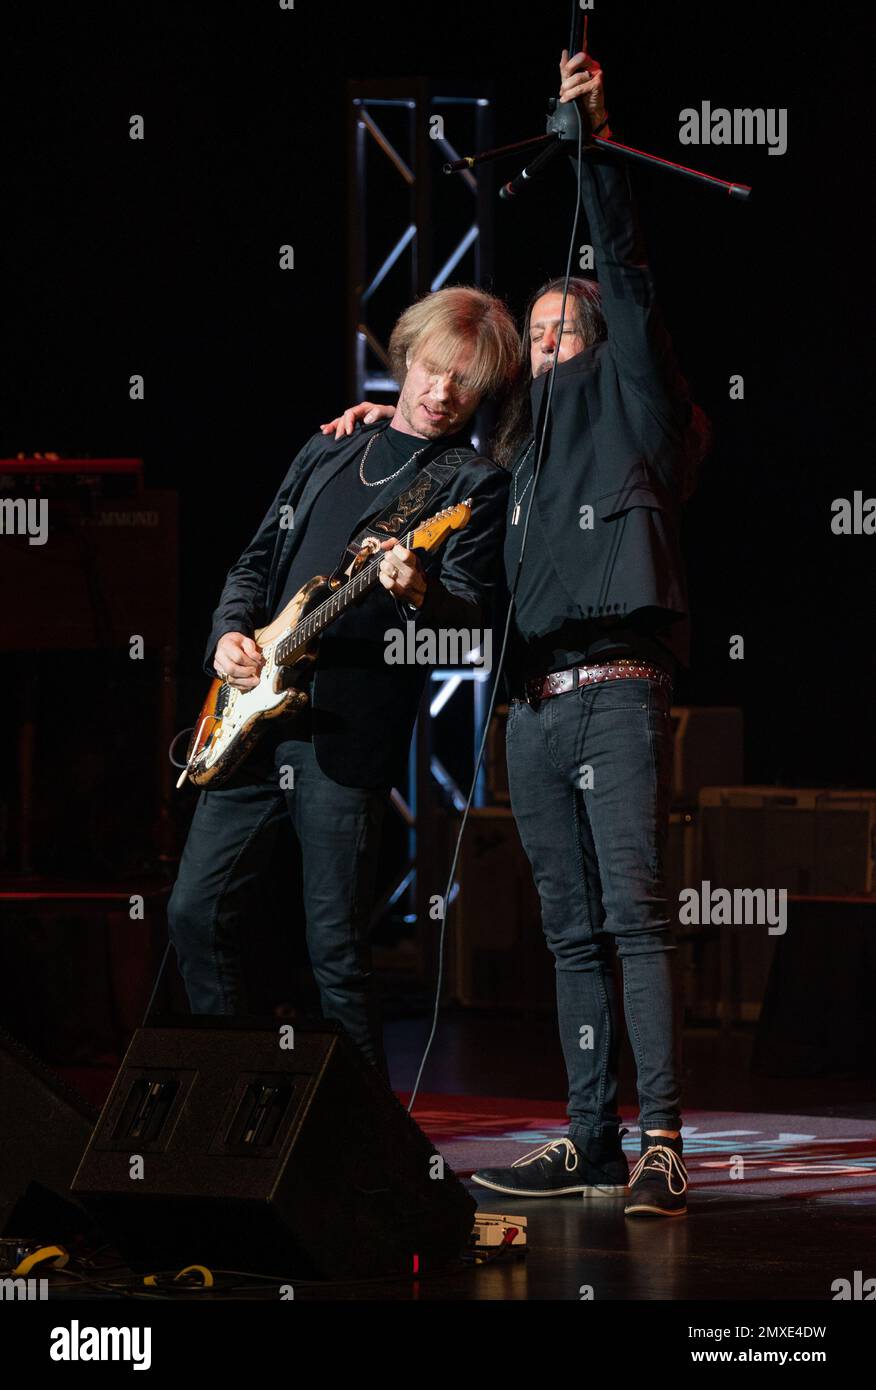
{"x":601,"y":126}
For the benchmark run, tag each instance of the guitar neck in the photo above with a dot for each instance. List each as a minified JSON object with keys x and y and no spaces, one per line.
{"x":321,"y":617}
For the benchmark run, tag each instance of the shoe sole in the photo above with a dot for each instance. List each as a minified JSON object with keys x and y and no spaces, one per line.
{"x":644,"y":1210}
{"x":557,"y":1192}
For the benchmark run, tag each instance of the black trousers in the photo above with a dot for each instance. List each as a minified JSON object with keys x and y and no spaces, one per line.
{"x":590,"y":775}
{"x":229,"y":845}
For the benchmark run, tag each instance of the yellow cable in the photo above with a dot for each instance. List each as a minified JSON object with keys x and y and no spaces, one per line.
{"x":56,"y":1253}
{"x":207,"y":1282}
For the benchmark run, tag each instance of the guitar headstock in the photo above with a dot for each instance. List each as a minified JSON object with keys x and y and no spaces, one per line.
{"x":432,"y":533}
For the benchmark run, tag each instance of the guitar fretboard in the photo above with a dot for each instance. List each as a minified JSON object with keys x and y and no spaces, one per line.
{"x":315,"y":622}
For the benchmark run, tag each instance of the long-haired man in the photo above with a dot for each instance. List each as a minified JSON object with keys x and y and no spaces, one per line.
{"x":599,"y":629}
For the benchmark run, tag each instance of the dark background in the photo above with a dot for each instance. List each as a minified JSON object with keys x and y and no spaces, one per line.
{"x":161,"y":257}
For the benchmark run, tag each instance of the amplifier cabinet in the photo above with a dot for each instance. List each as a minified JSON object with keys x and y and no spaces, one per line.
{"x":498,"y":952}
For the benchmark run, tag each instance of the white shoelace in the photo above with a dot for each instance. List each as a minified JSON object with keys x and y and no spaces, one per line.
{"x":571,"y":1152}
{"x":667,"y":1162}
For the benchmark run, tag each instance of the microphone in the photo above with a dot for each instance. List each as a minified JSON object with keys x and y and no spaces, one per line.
{"x":516,"y":185}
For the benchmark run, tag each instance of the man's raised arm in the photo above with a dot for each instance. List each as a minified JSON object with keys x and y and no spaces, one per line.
{"x":637,"y":337}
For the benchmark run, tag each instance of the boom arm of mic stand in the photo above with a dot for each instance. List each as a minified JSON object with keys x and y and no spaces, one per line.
{"x":471,"y":161}
{"x":552,"y":143}
{"x":741,"y":191}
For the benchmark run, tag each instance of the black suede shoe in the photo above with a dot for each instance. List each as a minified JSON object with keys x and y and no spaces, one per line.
{"x":658,"y":1182}
{"x":561,"y":1169}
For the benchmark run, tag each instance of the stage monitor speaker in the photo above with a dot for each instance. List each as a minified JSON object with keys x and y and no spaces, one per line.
{"x":45,"y":1129}
{"x":222,"y":1145}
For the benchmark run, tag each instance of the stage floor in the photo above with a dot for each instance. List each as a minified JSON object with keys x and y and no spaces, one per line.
{"x":780,"y":1206}
{"x":797,"y":1214}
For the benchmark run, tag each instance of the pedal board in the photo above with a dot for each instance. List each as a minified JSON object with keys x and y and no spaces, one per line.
{"x":493,"y":1231}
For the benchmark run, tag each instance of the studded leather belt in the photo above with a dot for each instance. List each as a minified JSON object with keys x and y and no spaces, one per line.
{"x":560,"y":682}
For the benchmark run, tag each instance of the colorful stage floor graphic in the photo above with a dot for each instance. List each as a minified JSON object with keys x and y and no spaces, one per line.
{"x":820,"y":1158}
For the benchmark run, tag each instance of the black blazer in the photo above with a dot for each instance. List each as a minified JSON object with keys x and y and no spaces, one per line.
{"x":618,"y":418}
{"x":364,"y":709}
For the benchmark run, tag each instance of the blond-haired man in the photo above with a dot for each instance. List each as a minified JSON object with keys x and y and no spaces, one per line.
{"x":449,"y":350}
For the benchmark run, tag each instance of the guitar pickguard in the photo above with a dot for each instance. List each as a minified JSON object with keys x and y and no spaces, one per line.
{"x":231,"y":720}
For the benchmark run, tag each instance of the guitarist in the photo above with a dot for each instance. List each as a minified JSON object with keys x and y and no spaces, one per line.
{"x":331,"y":774}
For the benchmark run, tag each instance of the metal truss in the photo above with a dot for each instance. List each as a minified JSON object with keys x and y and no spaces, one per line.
{"x":412,"y":229}
{"x":409,"y":230}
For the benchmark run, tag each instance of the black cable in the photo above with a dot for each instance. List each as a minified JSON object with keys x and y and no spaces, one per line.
{"x":158,"y":979}
{"x":132,"y":1286}
{"x":498,"y":670}
{"x":174,"y":741}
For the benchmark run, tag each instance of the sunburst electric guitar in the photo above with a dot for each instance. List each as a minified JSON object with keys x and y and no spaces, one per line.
{"x":231,"y":720}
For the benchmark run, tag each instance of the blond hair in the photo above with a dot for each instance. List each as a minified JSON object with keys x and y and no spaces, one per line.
{"x":447,"y":320}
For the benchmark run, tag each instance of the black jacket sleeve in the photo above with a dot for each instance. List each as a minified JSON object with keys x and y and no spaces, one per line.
{"x":637,"y":337}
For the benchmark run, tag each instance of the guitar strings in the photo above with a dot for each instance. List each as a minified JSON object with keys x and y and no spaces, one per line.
{"x":287,"y":644}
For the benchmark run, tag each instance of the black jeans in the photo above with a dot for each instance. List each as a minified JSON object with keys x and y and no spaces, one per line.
{"x":229,"y":844}
{"x":589,"y":775}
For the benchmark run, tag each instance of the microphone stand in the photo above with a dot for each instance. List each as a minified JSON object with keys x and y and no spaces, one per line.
{"x":561,"y":137}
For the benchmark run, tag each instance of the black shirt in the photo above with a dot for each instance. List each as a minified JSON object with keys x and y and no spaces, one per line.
{"x":543,"y":606}
{"x":332,"y":520}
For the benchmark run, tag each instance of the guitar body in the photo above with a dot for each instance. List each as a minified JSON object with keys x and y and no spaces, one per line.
{"x":231,"y":721}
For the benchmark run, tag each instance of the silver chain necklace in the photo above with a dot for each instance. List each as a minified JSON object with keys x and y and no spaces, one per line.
{"x":388,"y":479}
{"x":515,"y":515}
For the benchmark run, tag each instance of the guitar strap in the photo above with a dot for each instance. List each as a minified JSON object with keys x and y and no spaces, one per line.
{"x":400,"y":515}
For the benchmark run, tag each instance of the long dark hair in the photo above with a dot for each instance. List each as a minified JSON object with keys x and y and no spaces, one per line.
{"x":515,"y":424}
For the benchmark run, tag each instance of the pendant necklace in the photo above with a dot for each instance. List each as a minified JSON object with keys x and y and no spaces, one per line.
{"x":515,"y":515}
